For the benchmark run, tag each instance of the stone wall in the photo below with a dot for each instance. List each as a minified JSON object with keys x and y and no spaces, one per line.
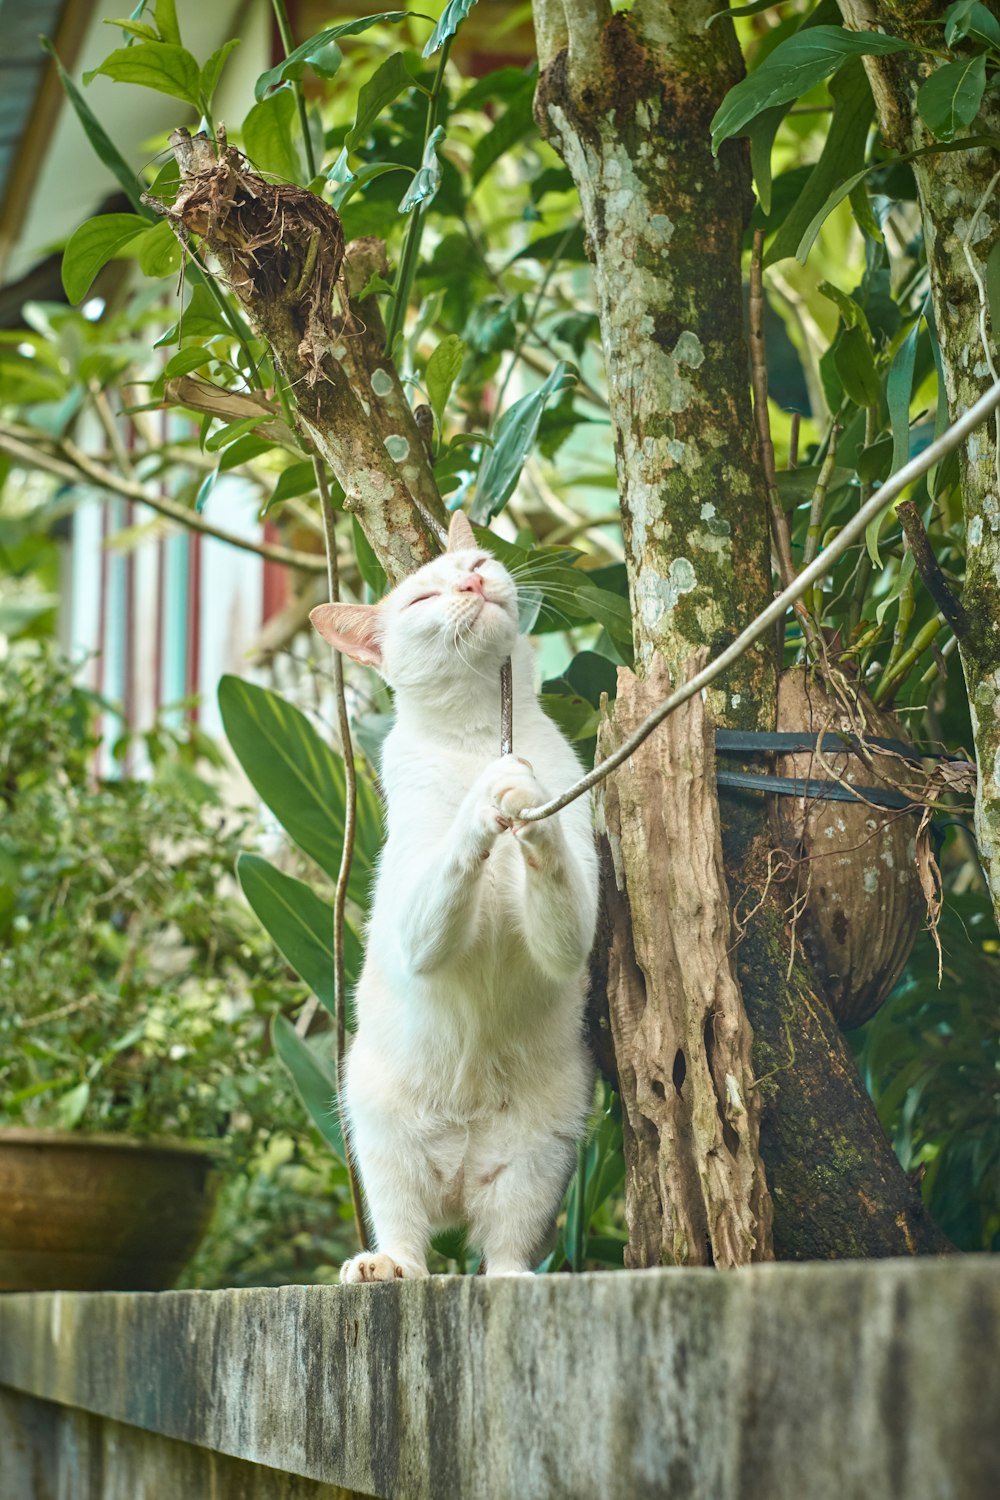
{"x":781,"y":1382}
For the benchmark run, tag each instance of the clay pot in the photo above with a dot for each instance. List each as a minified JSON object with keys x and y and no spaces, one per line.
{"x":865,"y":905}
{"x":99,"y":1212}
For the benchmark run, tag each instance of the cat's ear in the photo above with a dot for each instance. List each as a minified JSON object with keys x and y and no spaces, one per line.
{"x":461,"y":537}
{"x":354,"y":629}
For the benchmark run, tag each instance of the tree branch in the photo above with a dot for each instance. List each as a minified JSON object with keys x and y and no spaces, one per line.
{"x":70,"y":464}
{"x":929,"y":568}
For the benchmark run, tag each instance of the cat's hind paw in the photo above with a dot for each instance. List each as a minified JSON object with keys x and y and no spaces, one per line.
{"x":372,"y":1265}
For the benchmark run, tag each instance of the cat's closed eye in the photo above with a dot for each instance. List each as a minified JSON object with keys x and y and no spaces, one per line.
{"x":421,"y":597}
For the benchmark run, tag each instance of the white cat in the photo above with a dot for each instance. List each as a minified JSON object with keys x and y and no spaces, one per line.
{"x":468,"y":1079}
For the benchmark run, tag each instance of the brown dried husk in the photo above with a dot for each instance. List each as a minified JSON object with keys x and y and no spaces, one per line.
{"x":856,"y":863}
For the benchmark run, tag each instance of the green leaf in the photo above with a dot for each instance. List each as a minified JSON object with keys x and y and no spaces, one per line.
{"x":385,"y":85}
{"x":209,"y":80}
{"x":855,"y":364}
{"x":292,"y":65}
{"x":200,"y":319}
{"x":159,"y":251}
{"x":297,"y":479}
{"x":154,"y":65}
{"x":971,"y":18}
{"x":300,"y":779}
{"x":794,"y":67}
{"x":356,"y":180}
{"x":898,"y":388}
{"x":92,"y":245}
{"x":165,"y":15}
{"x":315,"y":1081}
{"x":577,"y":718}
{"x":140,"y":29}
{"x":452,"y":17}
{"x":762,"y":130}
{"x":951,"y":96}
{"x":427,"y":178}
{"x":369,"y":566}
{"x":104,"y":147}
{"x":268,"y":139}
{"x":841,"y":159}
{"x":514,"y":124}
{"x":441,"y":372}
{"x":300,"y":924}
{"x":513,"y":438}
{"x":852,"y":314}
{"x":71,"y":1105}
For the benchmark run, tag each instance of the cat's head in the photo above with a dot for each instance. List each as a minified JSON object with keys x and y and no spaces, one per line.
{"x":456,"y":614}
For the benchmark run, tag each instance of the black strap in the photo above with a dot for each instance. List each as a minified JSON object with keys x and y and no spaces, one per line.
{"x":831,"y":791}
{"x":754,"y":742}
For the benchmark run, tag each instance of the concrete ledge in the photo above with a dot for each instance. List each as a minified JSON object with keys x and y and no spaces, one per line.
{"x":858,"y":1379}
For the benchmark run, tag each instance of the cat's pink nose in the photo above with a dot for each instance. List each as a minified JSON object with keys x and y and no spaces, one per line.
{"x":472,"y":584}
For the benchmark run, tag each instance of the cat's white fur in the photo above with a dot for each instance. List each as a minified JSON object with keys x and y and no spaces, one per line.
{"x":468,"y":1079}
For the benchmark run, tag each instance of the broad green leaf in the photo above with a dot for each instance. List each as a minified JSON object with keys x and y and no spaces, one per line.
{"x":951,"y":96}
{"x":513,"y":438}
{"x":441,"y":373}
{"x":297,"y":479}
{"x":841,"y":159}
{"x":300,"y":779}
{"x":452,"y":17}
{"x":855,"y":364}
{"x":427,"y":178}
{"x":104,"y":147}
{"x":971,"y":18}
{"x":154,"y":65}
{"x":314,"y":1078}
{"x":794,"y":67}
{"x":577,"y":718}
{"x":210,"y":73}
{"x":514,"y":124}
{"x":228,"y":433}
{"x":385,"y":85}
{"x":268,"y":139}
{"x":186,"y":360}
{"x":159,"y":251}
{"x":315,"y":45}
{"x":300,"y":924}
{"x":898,"y":388}
{"x":92,"y":245}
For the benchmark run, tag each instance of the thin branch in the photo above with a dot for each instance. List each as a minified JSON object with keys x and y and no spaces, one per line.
{"x":347,"y":855}
{"x":851,"y":533}
{"x":76,"y":467}
{"x":929,"y":568}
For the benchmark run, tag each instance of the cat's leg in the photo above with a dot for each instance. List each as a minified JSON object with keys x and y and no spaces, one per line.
{"x":401,"y":1193}
{"x":559,"y":907}
{"x":514,"y":1197}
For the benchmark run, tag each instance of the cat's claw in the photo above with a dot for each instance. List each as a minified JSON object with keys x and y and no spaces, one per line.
{"x":374,"y":1266}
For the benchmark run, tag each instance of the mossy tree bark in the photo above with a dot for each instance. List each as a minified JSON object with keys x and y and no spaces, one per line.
{"x":627,"y":99}
{"x":960,"y":208}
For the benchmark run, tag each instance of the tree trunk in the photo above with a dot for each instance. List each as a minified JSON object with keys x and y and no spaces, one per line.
{"x":961,"y":217}
{"x":627,"y":100}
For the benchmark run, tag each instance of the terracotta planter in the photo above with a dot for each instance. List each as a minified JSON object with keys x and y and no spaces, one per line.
{"x":99,"y":1212}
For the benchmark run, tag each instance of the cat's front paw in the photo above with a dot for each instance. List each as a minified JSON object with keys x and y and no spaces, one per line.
{"x":372,"y":1265}
{"x":513,"y":788}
